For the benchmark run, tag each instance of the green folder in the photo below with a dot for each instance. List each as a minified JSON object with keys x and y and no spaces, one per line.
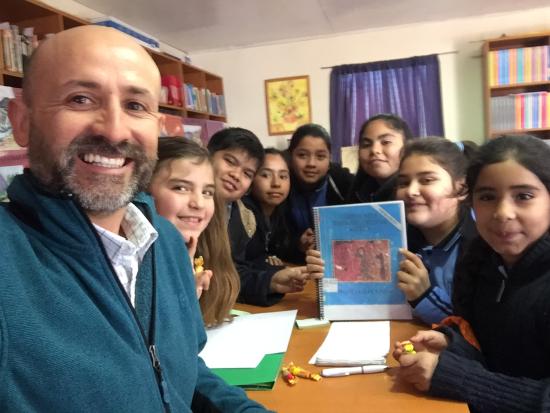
{"x":262,"y":377}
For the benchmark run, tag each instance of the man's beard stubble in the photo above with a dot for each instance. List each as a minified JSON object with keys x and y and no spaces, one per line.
{"x":99,"y":194}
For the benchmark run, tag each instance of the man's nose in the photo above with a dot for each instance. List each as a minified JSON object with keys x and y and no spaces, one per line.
{"x":111,"y":123}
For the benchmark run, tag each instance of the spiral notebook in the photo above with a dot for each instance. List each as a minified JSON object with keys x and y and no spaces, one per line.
{"x":360,"y":246}
{"x":354,"y":343}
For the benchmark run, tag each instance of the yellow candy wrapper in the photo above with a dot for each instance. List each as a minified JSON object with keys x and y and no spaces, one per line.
{"x":199,"y":264}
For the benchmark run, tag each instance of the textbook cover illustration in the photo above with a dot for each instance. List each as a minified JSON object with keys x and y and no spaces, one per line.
{"x":360,"y":246}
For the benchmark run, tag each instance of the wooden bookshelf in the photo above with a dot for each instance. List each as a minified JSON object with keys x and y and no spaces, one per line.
{"x":46,"y":20}
{"x":509,"y":84}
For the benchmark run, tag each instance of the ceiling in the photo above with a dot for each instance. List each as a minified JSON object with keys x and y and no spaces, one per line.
{"x":206,"y":25}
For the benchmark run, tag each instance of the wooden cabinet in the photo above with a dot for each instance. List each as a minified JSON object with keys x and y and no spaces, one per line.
{"x":517,"y":85}
{"x":30,"y":13}
{"x":45,"y":20}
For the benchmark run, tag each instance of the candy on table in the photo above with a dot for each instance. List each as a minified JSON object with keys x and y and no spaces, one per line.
{"x":300,"y":372}
{"x":288,"y":376}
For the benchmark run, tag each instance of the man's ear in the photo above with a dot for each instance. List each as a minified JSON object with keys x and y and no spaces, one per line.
{"x":18,"y":114}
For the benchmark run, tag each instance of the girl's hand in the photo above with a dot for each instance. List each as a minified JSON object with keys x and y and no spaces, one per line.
{"x":289,"y":280}
{"x":307,"y":240}
{"x":314,"y":264}
{"x":192,"y":247}
{"x":430,"y":341}
{"x":202,"y":281}
{"x":413,"y":276}
{"x":418,"y":369}
{"x":274,"y":260}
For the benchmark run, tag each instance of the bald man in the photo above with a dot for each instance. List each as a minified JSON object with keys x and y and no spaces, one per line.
{"x":97,"y":300}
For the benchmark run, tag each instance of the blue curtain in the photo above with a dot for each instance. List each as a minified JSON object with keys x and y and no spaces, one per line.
{"x":408,"y":87}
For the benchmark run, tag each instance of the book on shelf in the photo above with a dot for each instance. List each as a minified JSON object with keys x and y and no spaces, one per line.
{"x":519,"y":65}
{"x":203,"y":100}
{"x":195,"y":98}
{"x":360,"y":247}
{"x":215,"y":103}
{"x":145,"y":39}
{"x":520,"y":111}
{"x":16,"y":46}
{"x":172,"y":126}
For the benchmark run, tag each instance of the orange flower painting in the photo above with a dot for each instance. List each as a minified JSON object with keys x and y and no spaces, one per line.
{"x":288,"y":104}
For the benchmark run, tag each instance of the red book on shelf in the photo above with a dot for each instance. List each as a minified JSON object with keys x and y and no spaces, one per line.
{"x":173,"y":85}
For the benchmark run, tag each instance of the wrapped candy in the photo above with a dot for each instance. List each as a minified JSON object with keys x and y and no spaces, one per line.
{"x":408,"y":347}
{"x":288,"y":376}
{"x":300,"y":372}
{"x":198,"y":264}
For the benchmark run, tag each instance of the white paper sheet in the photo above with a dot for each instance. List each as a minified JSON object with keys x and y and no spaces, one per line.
{"x":245,"y":341}
{"x":354,"y":343}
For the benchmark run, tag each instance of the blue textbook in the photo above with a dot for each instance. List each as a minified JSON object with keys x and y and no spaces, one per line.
{"x":360,"y":246}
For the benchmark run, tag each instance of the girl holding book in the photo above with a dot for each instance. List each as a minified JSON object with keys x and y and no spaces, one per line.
{"x":381,"y":139}
{"x":315,"y":181}
{"x":498,"y":359}
{"x":431,"y":183}
{"x":184,"y":192}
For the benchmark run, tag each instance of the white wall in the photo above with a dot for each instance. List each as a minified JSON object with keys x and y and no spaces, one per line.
{"x":244,"y":70}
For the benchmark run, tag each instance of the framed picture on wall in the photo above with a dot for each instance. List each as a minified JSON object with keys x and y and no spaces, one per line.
{"x":10,"y":151}
{"x":13,"y":158}
{"x":287,"y":103}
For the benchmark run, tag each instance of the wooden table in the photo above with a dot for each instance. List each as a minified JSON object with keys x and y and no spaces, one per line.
{"x":367,"y":393}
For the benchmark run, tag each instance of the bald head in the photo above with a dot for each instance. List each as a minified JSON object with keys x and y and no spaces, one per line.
{"x":77,"y":46}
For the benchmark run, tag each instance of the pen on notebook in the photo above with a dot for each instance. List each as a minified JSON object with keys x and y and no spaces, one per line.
{"x":346,"y":371}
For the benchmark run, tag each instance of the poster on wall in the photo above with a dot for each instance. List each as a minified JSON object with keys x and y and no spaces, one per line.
{"x":288,"y":104}
{"x":7,"y":173}
{"x":11,"y":154}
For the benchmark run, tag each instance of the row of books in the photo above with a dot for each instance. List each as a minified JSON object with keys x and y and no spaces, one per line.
{"x":215,"y":103}
{"x":16,"y":46}
{"x":520,"y":111}
{"x":203,"y":100}
{"x":520,"y":65}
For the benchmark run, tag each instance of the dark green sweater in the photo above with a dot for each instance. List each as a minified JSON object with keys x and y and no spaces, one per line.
{"x":509,"y":311}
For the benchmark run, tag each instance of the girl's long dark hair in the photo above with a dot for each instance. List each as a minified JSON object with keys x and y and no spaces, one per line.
{"x":393,"y":122}
{"x":279,"y":241}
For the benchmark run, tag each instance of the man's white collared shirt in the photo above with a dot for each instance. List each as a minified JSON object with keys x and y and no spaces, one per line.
{"x":127,"y":253}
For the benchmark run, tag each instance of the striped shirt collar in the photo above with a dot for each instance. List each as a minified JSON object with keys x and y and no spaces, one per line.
{"x":140,"y":235}
{"x":126,"y":254}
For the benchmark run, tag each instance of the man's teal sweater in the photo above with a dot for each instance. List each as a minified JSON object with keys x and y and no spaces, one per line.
{"x":69,"y":339}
